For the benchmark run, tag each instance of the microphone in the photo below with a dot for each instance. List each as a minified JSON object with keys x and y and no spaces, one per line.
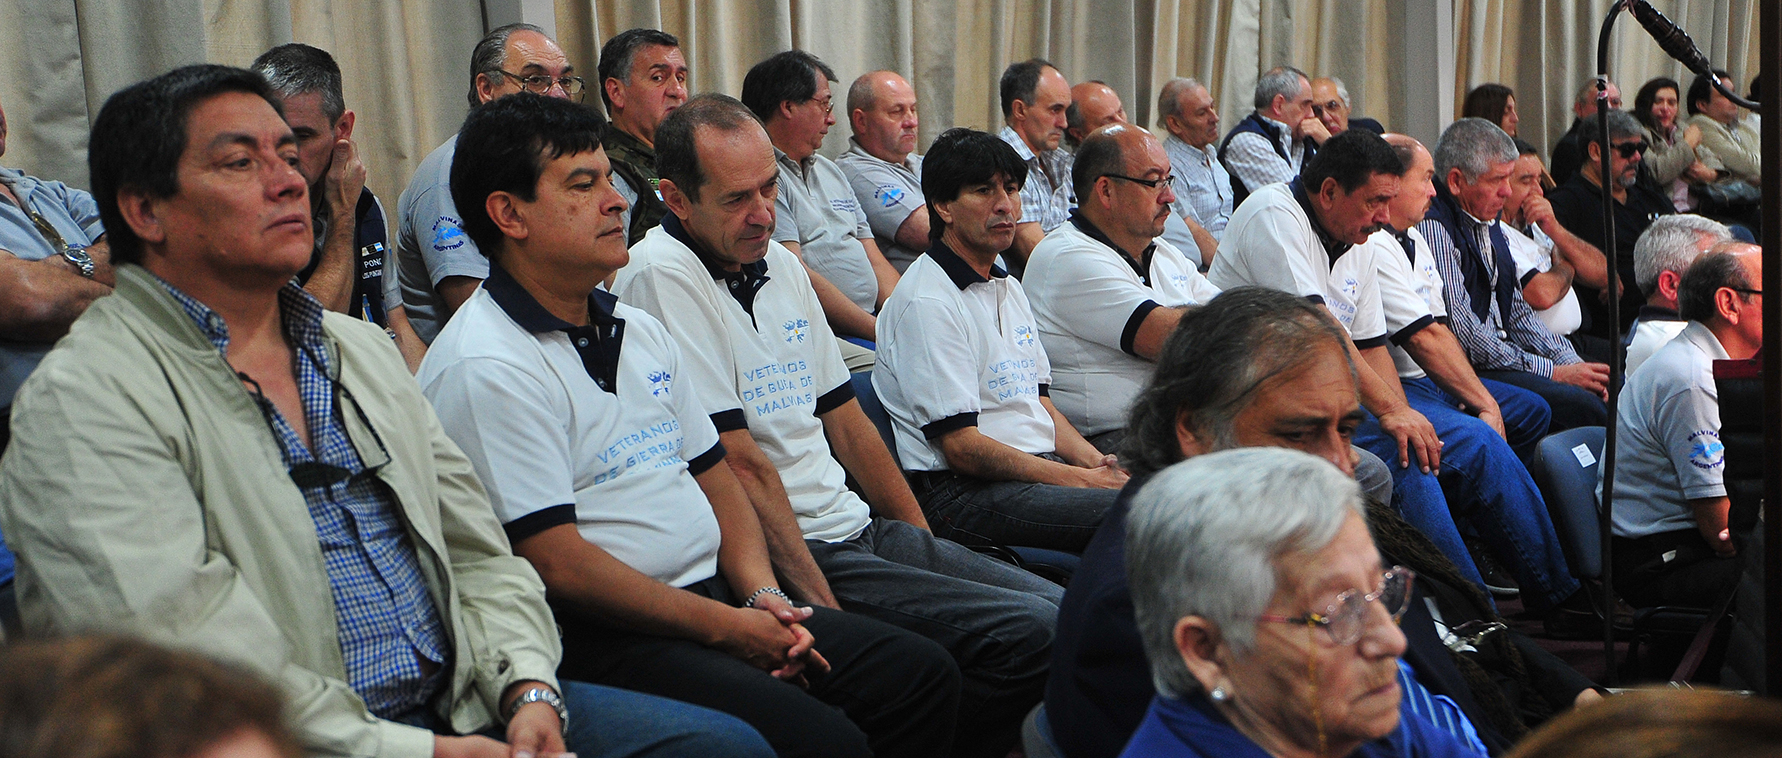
{"x":1671,"y":38}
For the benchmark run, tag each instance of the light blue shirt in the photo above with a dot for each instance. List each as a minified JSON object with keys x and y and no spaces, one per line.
{"x":75,"y":217}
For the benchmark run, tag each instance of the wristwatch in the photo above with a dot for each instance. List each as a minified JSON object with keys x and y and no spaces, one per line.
{"x":541,"y":694}
{"x":78,"y":256}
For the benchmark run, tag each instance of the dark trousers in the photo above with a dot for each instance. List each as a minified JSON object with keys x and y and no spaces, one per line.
{"x":1692,"y":577}
{"x":889,"y":692}
{"x":976,"y":511}
{"x":1572,"y":407}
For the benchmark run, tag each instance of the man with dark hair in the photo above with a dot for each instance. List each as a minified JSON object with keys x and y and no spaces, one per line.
{"x":794,"y":434}
{"x":1578,"y":206}
{"x":348,"y":271}
{"x":1673,"y":545}
{"x":816,"y":214}
{"x":1035,"y":97}
{"x":1272,"y":143}
{"x":438,"y":266}
{"x":1733,"y":142}
{"x":882,"y":164}
{"x":1568,"y":152}
{"x":627,"y":510}
{"x":965,"y":379}
{"x":346,"y":553}
{"x":1549,"y":258}
{"x":1107,"y":287}
{"x":1502,"y":337}
{"x":643,"y":78}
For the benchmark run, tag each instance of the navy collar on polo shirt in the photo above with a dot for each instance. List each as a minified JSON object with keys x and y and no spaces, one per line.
{"x":598,"y":343}
{"x":1649,"y":312}
{"x":1405,"y":241}
{"x":742,"y":284}
{"x":1333,"y":247}
{"x":1142,"y":264}
{"x":962,"y":274}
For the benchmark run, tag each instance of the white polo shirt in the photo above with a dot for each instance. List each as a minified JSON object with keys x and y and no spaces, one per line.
{"x":1669,"y":427}
{"x":565,"y":427}
{"x":1410,"y":292}
{"x":1653,"y":329}
{"x":816,"y":209}
{"x":1090,"y":299}
{"x":959,"y":350}
{"x":1271,"y":242}
{"x":772,"y":368}
{"x":1533,"y":253}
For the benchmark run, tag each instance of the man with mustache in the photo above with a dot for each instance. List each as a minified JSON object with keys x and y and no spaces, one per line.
{"x":1107,"y":287}
{"x":882,"y":165}
{"x":965,"y":378}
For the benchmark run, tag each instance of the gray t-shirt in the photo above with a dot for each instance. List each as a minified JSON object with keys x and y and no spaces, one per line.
{"x":816,"y":209}
{"x":75,"y":218}
{"x":889,"y":193}
{"x":430,"y":242}
{"x":1669,"y":426}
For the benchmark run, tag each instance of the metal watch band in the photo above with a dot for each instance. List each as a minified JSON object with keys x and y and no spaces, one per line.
{"x":541,"y":694}
{"x":81,"y":260}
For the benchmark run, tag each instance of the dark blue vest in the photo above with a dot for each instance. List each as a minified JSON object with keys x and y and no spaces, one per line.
{"x":1255,"y":124}
{"x":1446,"y":211}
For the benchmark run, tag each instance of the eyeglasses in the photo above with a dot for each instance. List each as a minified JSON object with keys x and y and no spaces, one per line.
{"x":1318,"y":109}
{"x":828,"y":105}
{"x":1744,"y":291}
{"x":1346,"y":619}
{"x":541,"y":84}
{"x":1630,"y":149}
{"x":1150,"y":183}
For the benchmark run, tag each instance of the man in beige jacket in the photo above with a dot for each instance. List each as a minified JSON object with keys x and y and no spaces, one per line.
{"x":210,"y":460}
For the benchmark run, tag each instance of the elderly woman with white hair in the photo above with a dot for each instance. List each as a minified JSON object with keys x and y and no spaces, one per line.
{"x":1270,"y":624}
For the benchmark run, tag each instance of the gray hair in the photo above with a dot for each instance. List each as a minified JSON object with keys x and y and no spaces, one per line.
{"x":1670,"y":244}
{"x":1341,"y":88}
{"x":1280,"y":80}
{"x":298,"y":69}
{"x":490,"y":54}
{"x":1621,"y":124}
{"x":1472,"y":145}
{"x":1169,"y":99}
{"x":1719,"y":267}
{"x":1192,"y":551}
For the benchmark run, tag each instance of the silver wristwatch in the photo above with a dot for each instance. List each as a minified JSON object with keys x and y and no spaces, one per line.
{"x":541,"y":694}
{"x":78,"y":256}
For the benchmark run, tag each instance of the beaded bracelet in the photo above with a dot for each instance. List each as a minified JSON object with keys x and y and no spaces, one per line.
{"x":766,"y":591}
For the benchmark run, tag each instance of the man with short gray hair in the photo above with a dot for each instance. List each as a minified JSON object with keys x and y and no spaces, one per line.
{"x":882,"y":165}
{"x":1203,"y":188}
{"x":1274,"y":141}
{"x":1578,"y":205}
{"x":1501,"y":334}
{"x":438,"y":267}
{"x":1568,"y":153}
{"x":1661,"y":256}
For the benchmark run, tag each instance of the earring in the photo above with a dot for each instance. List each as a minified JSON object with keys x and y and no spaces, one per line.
{"x":1219,"y":695}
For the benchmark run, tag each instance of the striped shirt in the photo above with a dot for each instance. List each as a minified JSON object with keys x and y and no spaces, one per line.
{"x":1517,"y":343}
{"x":1438,"y":709}
{"x":387,"y":619}
{"x":1047,"y":196}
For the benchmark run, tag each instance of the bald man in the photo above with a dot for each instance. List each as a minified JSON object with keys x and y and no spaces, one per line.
{"x":882,"y":165}
{"x":1093,"y":105}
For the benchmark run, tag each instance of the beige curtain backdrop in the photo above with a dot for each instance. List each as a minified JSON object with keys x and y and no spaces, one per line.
{"x":405,"y":61}
{"x":1546,"y":52}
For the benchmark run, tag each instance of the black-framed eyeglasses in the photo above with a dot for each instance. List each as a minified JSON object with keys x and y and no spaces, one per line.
{"x":541,"y":84}
{"x":1630,"y":149}
{"x":1346,"y":619}
{"x":1151,"y":183}
{"x":1745,"y":291}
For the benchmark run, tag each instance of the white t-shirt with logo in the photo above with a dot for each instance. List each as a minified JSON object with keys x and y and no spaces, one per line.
{"x":1669,"y":430}
{"x":779,"y":367}
{"x":950,"y":357}
{"x":1410,"y":291}
{"x":1533,"y":253}
{"x":542,"y":435}
{"x":1090,"y":300}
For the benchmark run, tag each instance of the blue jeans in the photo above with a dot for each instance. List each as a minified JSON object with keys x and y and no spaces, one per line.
{"x":1572,"y":407}
{"x":612,"y":723}
{"x":1526,"y":414}
{"x":1494,"y":496}
{"x":996,"y":620}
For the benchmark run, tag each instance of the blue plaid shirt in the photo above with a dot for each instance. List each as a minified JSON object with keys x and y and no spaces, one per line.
{"x":388,"y":621}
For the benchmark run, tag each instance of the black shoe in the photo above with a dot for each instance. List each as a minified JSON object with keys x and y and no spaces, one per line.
{"x":1498,"y":580}
{"x":1577,"y":618}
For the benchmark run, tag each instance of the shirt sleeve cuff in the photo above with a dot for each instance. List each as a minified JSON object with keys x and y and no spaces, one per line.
{"x":1045,"y":390}
{"x":835,"y":398}
{"x":953,"y":423}
{"x":1371,"y":342}
{"x":1316,"y":299}
{"x":1528,"y":277}
{"x":706,"y":460}
{"x":538,"y":521}
{"x":1130,"y":333}
{"x":730,"y":420}
{"x":1404,"y":335}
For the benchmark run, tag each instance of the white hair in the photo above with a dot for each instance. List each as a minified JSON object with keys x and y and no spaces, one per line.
{"x":1280,"y":80}
{"x":1341,"y":88}
{"x":1672,"y":243}
{"x":1472,"y":145}
{"x":1204,"y":538}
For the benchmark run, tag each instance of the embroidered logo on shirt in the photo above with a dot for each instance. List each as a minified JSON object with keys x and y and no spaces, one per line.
{"x":448,"y":234}
{"x":1705,"y":450}
{"x":844,"y":205}
{"x":796,"y":329}
{"x":1024,"y":336}
{"x":889,"y":195}
{"x":659,"y":382}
